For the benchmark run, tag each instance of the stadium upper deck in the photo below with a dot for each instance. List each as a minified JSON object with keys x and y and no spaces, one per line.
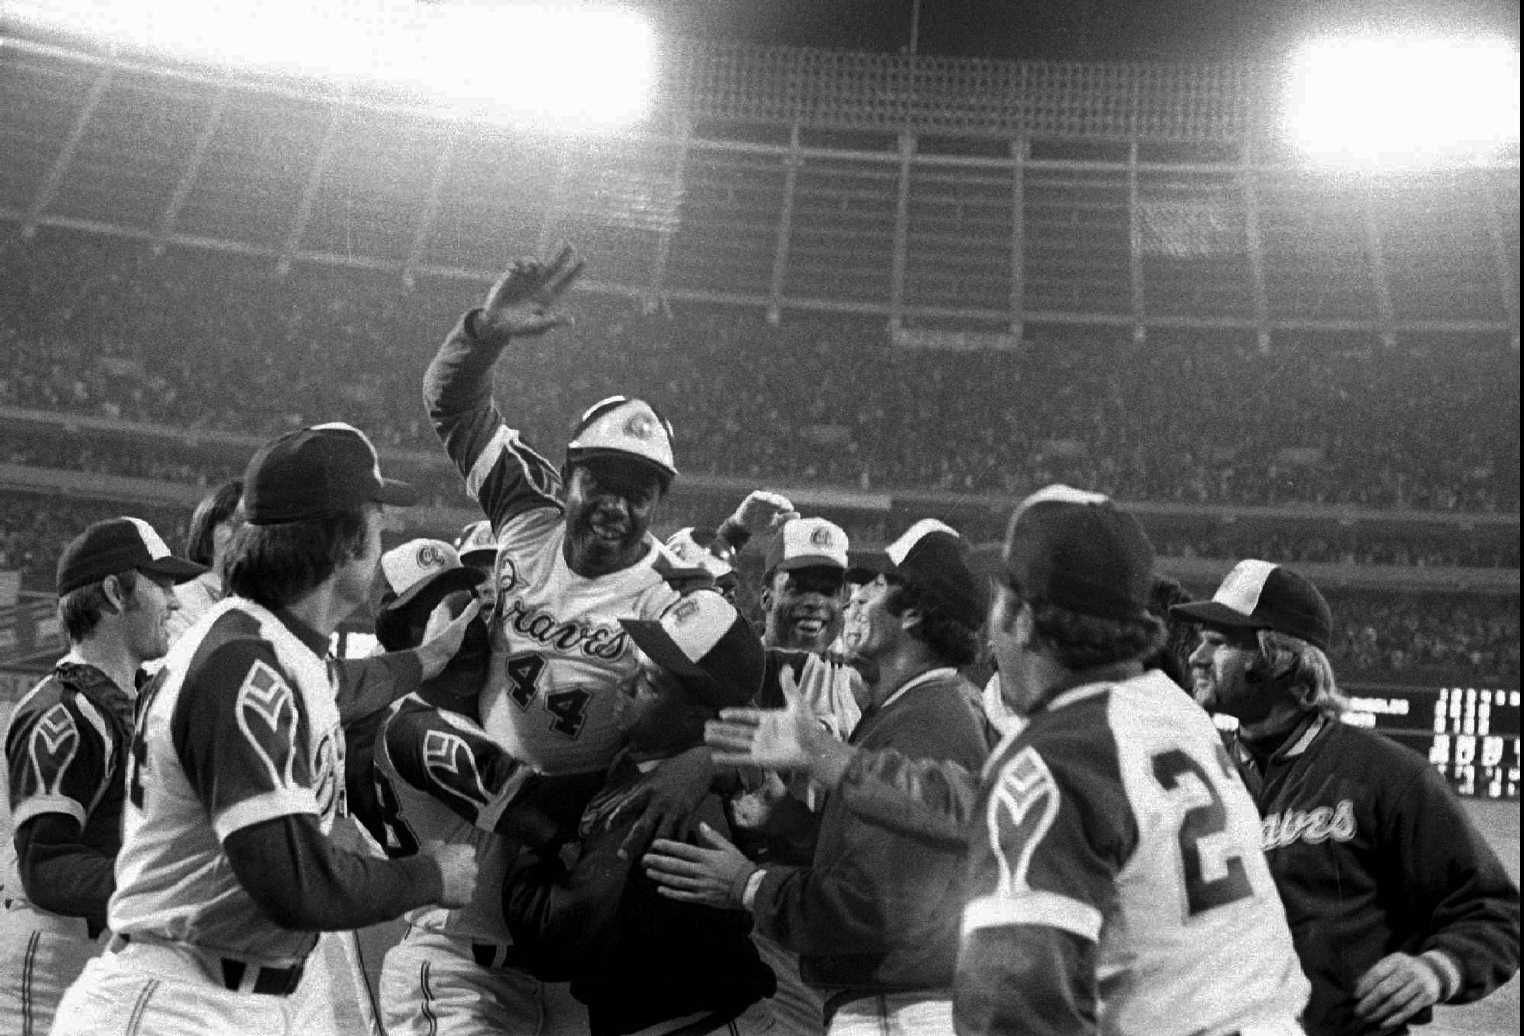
{"x":968,"y":194}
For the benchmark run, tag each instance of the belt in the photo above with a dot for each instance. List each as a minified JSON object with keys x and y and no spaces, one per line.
{"x":496,"y":955}
{"x":841,"y":998}
{"x":238,"y":976}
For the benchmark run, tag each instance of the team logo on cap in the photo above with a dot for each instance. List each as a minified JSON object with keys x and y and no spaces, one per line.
{"x":821,"y":537}
{"x":640,"y":426}
{"x":684,"y":611}
{"x":431,"y":556}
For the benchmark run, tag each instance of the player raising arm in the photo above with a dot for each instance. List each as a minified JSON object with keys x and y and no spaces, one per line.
{"x":236,"y":774}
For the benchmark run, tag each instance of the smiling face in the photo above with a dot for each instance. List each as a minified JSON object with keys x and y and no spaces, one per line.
{"x":610,"y":504}
{"x":803,"y":608}
{"x":145,"y":616}
{"x":870,"y":629}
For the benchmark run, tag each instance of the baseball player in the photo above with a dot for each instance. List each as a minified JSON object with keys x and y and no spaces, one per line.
{"x":640,"y":961}
{"x":803,"y":585}
{"x":575,"y":553}
{"x":440,"y":778}
{"x":211,"y":526}
{"x":1395,"y":900}
{"x":66,"y":748}
{"x":225,"y":874}
{"x":715,"y":550}
{"x":1115,"y":862}
{"x":574,"y":550}
{"x":873,"y":914}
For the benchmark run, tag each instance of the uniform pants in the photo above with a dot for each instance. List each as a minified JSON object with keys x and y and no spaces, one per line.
{"x":40,"y":954}
{"x":163,"y":989}
{"x":335,"y":995}
{"x":799,"y":1009}
{"x":894,"y":1014}
{"x":431,"y":984}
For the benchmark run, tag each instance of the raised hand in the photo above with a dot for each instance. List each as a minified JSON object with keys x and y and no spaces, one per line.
{"x":763,"y":511}
{"x":522,"y":302}
{"x":791,"y":738}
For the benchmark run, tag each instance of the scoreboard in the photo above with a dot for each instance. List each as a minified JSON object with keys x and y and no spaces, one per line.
{"x":1469,"y":734}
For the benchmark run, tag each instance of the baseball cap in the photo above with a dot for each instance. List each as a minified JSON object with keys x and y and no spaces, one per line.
{"x":418,"y":575}
{"x":115,"y":545}
{"x":476,"y":539}
{"x":931,"y":556}
{"x":317,"y":472}
{"x":1079,"y":551}
{"x":703,"y":638}
{"x":1261,"y":595}
{"x":623,"y":427}
{"x":807,"y":543}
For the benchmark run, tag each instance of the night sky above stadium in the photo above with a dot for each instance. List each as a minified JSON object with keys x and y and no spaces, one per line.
{"x":1071,"y":29}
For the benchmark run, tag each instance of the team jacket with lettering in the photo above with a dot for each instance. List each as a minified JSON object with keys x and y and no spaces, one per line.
{"x":239,"y":727}
{"x":64,"y":749}
{"x":1373,"y":854}
{"x":876,"y":911}
{"x":558,"y":651}
{"x":1116,"y":879}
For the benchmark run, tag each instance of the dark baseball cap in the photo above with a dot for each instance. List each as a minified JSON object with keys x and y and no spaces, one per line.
{"x":1261,"y":595}
{"x":702,"y":638}
{"x":931,"y":556}
{"x":317,"y":472}
{"x":116,"y":545}
{"x":807,"y":543}
{"x":1079,"y":551}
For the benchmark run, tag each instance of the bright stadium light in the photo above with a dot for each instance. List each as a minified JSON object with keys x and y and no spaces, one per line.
{"x":1364,"y":102}
{"x":562,"y":65}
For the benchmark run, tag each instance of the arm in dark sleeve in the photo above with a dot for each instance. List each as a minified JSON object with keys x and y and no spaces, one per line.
{"x":60,"y":873}
{"x":1459,"y":892}
{"x":303,"y":882}
{"x":365,"y":686}
{"x":925,"y":798}
{"x":1026,"y":979}
{"x":503,"y":474}
{"x":561,"y":918}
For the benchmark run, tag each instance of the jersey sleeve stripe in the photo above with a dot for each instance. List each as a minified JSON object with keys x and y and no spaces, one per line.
{"x":278,"y":803}
{"x":38,"y":805}
{"x":1043,"y":909}
{"x":486,"y":460}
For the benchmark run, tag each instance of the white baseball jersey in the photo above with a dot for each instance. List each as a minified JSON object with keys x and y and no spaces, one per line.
{"x":1116,"y":817}
{"x":238,"y":728}
{"x":558,"y":651}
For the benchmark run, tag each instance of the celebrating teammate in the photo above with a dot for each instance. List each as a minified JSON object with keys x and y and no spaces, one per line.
{"x":1114,"y":862}
{"x":236,"y":774}
{"x":1396,"y":902}
{"x":874,"y":914}
{"x":65,"y":750}
{"x":642,"y":962}
{"x":803,"y":585}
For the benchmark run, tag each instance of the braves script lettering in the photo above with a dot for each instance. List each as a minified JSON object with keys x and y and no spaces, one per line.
{"x":1312,"y":826}
{"x":605,"y":642}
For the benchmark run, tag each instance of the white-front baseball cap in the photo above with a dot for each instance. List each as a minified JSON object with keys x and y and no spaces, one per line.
{"x":621,"y":426}
{"x":807,"y":543}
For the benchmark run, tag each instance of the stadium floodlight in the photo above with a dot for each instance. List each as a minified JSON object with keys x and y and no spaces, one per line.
{"x":557,"y":64}
{"x":1403,"y":102}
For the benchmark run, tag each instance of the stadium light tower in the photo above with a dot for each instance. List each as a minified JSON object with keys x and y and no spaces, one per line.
{"x":557,"y":65}
{"x":1402,"y":102}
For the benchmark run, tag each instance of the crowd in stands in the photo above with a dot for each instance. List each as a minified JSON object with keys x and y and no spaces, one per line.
{"x":202,"y":340}
{"x":1378,"y":633}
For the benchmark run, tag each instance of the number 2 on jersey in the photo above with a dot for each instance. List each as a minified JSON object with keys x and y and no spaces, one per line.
{"x":1178,"y":773}
{"x":568,"y":708}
